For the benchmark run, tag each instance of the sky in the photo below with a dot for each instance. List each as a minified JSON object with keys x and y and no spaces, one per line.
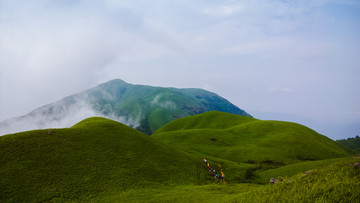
{"x":276,"y":59}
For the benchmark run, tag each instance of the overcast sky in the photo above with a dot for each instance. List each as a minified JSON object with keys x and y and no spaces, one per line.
{"x":296,"y":58}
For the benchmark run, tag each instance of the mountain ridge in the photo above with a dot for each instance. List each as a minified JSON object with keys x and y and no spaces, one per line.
{"x":145,"y":108}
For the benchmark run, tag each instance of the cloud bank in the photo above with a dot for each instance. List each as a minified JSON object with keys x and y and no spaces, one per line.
{"x":52,"y":49}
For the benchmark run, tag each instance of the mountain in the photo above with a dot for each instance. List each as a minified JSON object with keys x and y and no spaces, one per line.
{"x":80,"y":163}
{"x":248,"y":140}
{"x":144,"y":108}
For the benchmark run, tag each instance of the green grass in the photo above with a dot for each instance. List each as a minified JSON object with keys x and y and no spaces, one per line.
{"x":246,"y":145}
{"x":243,"y":139}
{"x":185,"y":193}
{"x":209,"y":120}
{"x":100,"y":160}
{"x":338,"y":182}
{"x":80,"y":163}
{"x":263,"y":176}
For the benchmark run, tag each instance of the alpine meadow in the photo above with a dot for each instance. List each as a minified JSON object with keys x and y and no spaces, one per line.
{"x":228,"y":157}
{"x":179,"y":101}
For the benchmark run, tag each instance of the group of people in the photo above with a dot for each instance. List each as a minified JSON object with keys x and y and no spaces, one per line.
{"x":212,"y":171}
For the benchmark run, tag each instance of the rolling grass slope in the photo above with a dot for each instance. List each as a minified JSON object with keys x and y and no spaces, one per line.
{"x":210,"y":120}
{"x":334,"y":180}
{"x":244,"y":145}
{"x":337,"y":182}
{"x":244,"y":139}
{"x":100,"y":160}
{"x":94,"y":157}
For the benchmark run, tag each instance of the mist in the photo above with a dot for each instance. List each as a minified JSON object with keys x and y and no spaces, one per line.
{"x":61,"y":114}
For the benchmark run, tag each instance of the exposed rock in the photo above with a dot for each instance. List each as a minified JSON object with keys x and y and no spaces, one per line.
{"x":357,"y":165}
{"x":274,"y":180}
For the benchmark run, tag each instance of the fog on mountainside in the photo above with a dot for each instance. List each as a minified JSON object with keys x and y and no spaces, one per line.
{"x":144,"y":108}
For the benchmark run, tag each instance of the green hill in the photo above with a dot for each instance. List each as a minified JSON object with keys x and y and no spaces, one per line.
{"x":243,"y":139}
{"x":94,"y":157}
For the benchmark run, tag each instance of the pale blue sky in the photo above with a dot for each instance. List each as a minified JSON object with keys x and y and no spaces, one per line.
{"x":295,"y":58}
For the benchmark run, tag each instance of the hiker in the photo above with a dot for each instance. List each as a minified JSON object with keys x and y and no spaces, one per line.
{"x":205,"y":161}
{"x":222,"y":176}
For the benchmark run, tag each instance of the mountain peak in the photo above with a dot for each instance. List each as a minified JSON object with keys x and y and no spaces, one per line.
{"x":145,"y":108}
{"x":116,"y":82}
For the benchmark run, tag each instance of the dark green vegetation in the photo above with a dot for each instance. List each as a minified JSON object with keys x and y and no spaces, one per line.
{"x":351,"y":143}
{"x":144,"y":108}
{"x":102,"y":160}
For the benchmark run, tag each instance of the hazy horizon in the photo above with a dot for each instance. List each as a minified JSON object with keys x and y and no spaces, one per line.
{"x":282,"y":60}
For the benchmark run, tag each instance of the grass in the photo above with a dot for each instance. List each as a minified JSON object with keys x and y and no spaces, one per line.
{"x":100,"y":160}
{"x":335,"y":181}
{"x":209,"y":120}
{"x":263,"y":176}
{"x":80,"y":163}
{"x":243,"y":139}
{"x":184,"y":193}
{"x":338,"y":182}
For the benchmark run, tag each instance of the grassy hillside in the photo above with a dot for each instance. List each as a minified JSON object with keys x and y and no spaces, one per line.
{"x":334,"y":180}
{"x":210,"y":120}
{"x":244,"y":145}
{"x":351,"y":143}
{"x":95,"y":157}
{"x":338,"y":182}
{"x":244,"y":139}
{"x":100,"y":160}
